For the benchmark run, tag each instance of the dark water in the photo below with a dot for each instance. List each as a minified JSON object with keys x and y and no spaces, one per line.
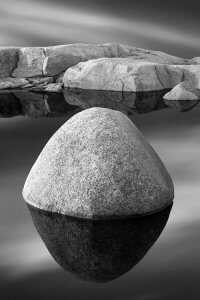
{"x":153,"y":258}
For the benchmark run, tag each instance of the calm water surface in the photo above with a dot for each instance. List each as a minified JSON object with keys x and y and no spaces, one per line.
{"x":171,"y":267}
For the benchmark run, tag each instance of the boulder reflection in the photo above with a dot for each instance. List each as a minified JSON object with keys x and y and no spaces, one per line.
{"x":35,"y":105}
{"x":126,"y":102}
{"x":71,"y":101}
{"x":98,"y":251}
{"x":182,"y":105}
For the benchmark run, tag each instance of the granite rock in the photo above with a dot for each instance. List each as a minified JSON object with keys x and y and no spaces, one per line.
{"x":8,"y":61}
{"x":102,"y":66}
{"x":41,"y":80}
{"x":98,"y":165}
{"x":195,"y":60}
{"x":183,"y":91}
{"x":122,"y":74}
{"x":190,"y":73}
{"x":30,"y":62}
{"x":60,"y":58}
{"x":54,"y":87}
{"x":12,"y":83}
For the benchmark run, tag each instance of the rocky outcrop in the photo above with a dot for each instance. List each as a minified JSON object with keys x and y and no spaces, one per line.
{"x":8,"y":61}
{"x":126,"y":74}
{"x":31,"y":84}
{"x":183,"y":91}
{"x":52,"y":61}
{"x":54,"y":87}
{"x":122,"y":74}
{"x":30,"y":62}
{"x":109,"y":67}
{"x":60,"y":58}
{"x":97,"y":166}
{"x":12,"y":83}
{"x":195,"y":60}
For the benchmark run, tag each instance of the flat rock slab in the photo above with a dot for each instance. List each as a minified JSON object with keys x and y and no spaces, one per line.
{"x":99,"y":166}
{"x":12,"y":83}
{"x":183,"y":91}
{"x":110,"y":67}
{"x":129,"y":75}
{"x":52,"y":61}
{"x":60,"y":58}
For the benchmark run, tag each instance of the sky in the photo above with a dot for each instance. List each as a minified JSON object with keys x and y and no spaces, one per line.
{"x":171,"y":26}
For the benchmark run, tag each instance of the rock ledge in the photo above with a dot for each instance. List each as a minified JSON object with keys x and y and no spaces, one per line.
{"x":110,"y":67}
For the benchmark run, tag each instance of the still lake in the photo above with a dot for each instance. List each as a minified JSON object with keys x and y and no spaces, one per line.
{"x":171,"y":267}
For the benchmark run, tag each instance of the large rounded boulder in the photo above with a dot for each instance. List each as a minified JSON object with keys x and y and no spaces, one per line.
{"x":98,"y":165}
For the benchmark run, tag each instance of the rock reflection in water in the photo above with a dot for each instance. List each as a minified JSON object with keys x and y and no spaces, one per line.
{"x":72,"y":101}
{"x":9,"y":105}
{"x":126,"y":102}
{"x":98,"y":251}
{"x":35,"y":105}
{"x":182,"y":105}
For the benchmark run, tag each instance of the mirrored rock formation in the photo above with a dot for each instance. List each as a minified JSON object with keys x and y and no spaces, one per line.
{"x":182,"y":105}
{"x":98,"y":251}
{"x":126,"y":102}
{"x":35,"y":105}
{"x":9,"y":105}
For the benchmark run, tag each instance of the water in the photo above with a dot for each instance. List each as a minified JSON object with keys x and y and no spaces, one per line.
{"x":170,"y":269}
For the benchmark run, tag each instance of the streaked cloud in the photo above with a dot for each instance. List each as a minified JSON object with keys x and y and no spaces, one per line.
{"x":42,"y":23}
{"x":19,"y":258}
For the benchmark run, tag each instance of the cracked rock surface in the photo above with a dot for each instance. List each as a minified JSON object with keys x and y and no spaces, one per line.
{"x":183,"y":91}
{"x":109,"y":67}
{"x":126,"y":74}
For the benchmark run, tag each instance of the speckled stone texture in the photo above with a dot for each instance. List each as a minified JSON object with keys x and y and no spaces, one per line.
{"x":98,"y":165}
{"x":183,"y":91}
{"x":8,"y":61}
{"x":98,"y":251}
{"x":105,"y":67}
